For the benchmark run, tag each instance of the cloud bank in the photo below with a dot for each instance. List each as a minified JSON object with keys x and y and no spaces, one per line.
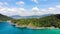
{"x":34,"y":11}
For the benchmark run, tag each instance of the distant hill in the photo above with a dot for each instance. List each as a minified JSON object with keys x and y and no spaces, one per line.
{"x":4,"y":18}
{"x":16,"y":16}
{"x":32,"y":16}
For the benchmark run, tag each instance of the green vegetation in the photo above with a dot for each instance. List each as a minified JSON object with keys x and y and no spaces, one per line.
{"x":4,"y":18}
{"x":47,"y":21}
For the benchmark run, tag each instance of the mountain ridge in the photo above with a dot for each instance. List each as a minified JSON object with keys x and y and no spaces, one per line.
{"x":32,"y":16}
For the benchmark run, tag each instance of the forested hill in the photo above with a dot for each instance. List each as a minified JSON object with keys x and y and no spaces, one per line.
{"x":48,"y":21}
{"x":4,"y":18}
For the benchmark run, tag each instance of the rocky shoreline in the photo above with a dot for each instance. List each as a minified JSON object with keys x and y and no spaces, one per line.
{"x":31,"y":27}
{"x":23,"y":26}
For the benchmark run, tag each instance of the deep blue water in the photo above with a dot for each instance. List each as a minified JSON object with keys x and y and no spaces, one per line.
{"x":6,"y":28}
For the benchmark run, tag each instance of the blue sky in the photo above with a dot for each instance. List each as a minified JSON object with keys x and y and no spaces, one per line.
{"x":29,"y":7}
{"x":30,"y":3}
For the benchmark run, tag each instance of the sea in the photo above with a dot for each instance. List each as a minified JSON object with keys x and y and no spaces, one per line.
{"x":7,"y":28}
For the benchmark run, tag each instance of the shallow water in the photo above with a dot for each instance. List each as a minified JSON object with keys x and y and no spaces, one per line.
{"x":6,"y":28}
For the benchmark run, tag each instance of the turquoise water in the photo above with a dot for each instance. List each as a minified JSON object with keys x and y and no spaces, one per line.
{"x":6,"y":28}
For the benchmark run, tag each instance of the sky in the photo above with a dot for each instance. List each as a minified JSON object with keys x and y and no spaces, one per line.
{"x":29,"y":7}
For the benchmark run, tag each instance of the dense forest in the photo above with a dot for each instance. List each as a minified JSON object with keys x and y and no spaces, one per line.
{"x":4,"y":18}
{"x":48,"y":21}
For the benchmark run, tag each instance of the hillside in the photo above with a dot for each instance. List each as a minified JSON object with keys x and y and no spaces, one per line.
{"x":47,"y":21}
{"x":31,"y":16}
{"x":4,"y":18}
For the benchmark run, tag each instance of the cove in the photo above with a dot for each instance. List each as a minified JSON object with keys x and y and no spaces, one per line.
{"x":7,"y":28}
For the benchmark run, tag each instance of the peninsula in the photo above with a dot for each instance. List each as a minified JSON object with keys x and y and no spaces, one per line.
{"x":52,"y":21}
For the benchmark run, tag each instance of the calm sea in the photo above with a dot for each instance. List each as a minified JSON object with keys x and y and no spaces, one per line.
{"x":6,"y":28}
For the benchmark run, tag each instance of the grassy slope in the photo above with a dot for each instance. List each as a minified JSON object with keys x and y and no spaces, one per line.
{"x":47,"y":21}
{"x":4,"y":18}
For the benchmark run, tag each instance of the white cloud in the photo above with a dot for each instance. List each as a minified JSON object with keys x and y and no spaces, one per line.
{"x":15,"y":11}
{"x":11,"y":11}
{"x":51,"y":9}
{"x":18,"y":11}
{"x":3,"y":4}
{"x":20,"y":3}
{"x":36,"y":1}
{"x":43,"y":9}
{"x":25,"y":12}
{"x":58,"y":6}
{"x":35,"y":9}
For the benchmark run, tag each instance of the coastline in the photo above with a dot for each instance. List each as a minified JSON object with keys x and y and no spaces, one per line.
{"x":31,"y":27}
{"x":23,"y":26}
{"x":36,"y":27}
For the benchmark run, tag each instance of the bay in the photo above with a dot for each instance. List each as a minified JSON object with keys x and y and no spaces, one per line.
{"x":7,"y":28}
